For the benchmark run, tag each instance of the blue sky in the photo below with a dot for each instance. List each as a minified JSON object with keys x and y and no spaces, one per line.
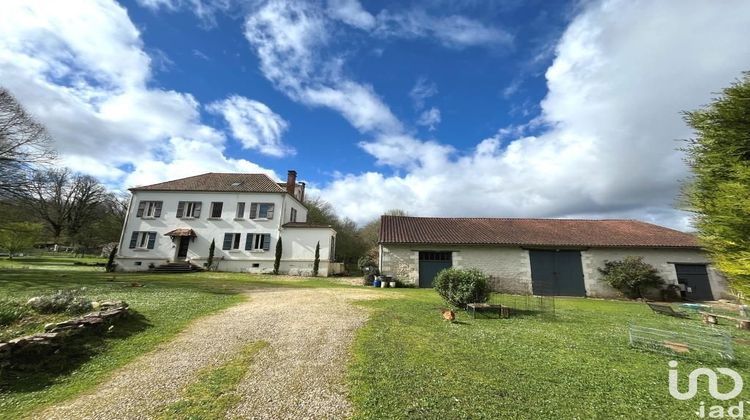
{"x":441,"y":108}
{"x":476,"y":88}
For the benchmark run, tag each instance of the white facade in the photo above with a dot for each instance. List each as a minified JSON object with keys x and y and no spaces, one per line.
{"x":298,"y":243}
{"x":509,"y":268}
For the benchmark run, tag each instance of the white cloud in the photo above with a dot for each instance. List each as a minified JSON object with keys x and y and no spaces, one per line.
{"x":81,"y":69}
{"x":429,"y":118}
{"x":254,"y":124}
{"x":203,"y":9}
{"x":288,"y":37}
{"x":352,"y":13}
{"x":623,"y":72}
{"x":422,"y":90}
{"x":453,"y":31}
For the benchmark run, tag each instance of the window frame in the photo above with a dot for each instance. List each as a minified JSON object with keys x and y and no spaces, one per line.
{"x":257,"y":242}
{"x":255,"y":210}
{"x":149,"y":209}
{"x":293,"y":215}
{"x":214,"y":206}
{"x":234,"y":243}
{"x":239,"y":212}
{"x":189,"y":209}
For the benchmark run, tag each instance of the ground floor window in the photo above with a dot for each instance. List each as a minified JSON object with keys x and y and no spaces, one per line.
{"x":231,"y":241}
{"x":258,"y":242}
{"x":142,"y":240}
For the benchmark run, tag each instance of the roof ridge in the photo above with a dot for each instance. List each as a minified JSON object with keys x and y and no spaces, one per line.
{"x":514,"y":218}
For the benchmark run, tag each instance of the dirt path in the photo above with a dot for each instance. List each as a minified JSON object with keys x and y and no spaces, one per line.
{"x":300,"y":375}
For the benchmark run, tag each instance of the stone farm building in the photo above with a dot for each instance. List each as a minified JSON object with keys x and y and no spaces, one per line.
{"x":540,"y":256}
{"x":245,"y":214}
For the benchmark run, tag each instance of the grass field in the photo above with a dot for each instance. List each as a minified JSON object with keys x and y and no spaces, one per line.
{"x":165,"y":305}
{"x":408,"y":363}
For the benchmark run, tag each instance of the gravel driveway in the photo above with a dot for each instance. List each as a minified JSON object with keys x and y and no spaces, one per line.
{"x":299,"y":375}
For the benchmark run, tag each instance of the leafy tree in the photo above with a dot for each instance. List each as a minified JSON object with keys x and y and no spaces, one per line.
{"x":277,"y":258}
{"x":24,"y":144}
{"x":316,"y":262}
{"x":349,"y":243}
{"x":370,"y":232}
{"x":211,"y":250}
{"x":719,"y":193}
{"x":631,"y":276}
{"x":19,"y":236}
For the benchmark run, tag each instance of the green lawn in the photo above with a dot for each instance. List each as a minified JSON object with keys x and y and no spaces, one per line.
{"x":409,"y":363}
{"x":165,"y":305}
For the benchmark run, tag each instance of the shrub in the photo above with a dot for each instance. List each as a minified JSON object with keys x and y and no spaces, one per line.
{"x":460,"y":287}
{"x":111,"y":260}
{"x":11,"y":311}
{"x":316,"y":262}
{"x":631,"y":276}
{"x":70,"y":301}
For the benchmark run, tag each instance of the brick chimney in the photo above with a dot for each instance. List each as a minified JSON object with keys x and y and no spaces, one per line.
{"x":291,"y":182}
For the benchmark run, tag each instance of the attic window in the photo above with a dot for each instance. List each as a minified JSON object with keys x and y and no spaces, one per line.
{"x":236,"y":184}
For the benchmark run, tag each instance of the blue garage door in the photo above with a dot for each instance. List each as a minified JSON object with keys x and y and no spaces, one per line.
{"x":431,"y":263}
{"x":557,"y":273}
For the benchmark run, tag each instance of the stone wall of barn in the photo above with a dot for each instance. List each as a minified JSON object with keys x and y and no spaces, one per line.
{"x":509,"y":268}
{"x":663,"y":259}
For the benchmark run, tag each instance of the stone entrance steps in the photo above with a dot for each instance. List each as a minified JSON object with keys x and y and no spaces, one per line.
{"x":176,"y":267}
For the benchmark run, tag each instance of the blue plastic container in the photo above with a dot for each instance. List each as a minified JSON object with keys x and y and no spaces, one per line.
{"x":376,"y":283}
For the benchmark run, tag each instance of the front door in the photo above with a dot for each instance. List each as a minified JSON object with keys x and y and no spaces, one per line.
{"x":430,"y":264}
{"x":695,"y":279}
{"x":557,"y":273}
{"x":182,"y":247}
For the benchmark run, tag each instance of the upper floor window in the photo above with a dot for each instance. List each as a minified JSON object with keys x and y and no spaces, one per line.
{"x":189,"y":209}
{"x":293,"y":216}
{"x":216,"y":208}
{"x":258,"y":242}
{"x":231,"y":241}
{"x":261,"y":210}
{"x":149,"y":209}
{"x":142,"y":240}
{"x":240,"y":211}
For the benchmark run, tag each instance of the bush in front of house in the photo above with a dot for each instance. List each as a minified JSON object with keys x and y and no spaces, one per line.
{"x":11,"y":311}
{"x":69,"y":301}
{"x":631,"y":276}
{"x":460,"y":287}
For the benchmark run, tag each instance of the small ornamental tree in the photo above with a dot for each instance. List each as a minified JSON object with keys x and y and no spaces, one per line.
{"x":210,"y":259}
{"x":631,"y":276}
{"x":460,"y":287}
{"x":111,"y":260}
{"x":316,"y":263}
{"x":277,"y":257}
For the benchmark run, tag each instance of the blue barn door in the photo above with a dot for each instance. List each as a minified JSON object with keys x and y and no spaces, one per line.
{"x":557,"y":273}
{"x":430,"y":264}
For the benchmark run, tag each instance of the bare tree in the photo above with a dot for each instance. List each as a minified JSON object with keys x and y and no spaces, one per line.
{"x":24,"y":144}
{"x":65,"y":201}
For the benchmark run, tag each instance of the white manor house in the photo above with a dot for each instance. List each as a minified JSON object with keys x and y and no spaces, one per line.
{"x":173,"y":223}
